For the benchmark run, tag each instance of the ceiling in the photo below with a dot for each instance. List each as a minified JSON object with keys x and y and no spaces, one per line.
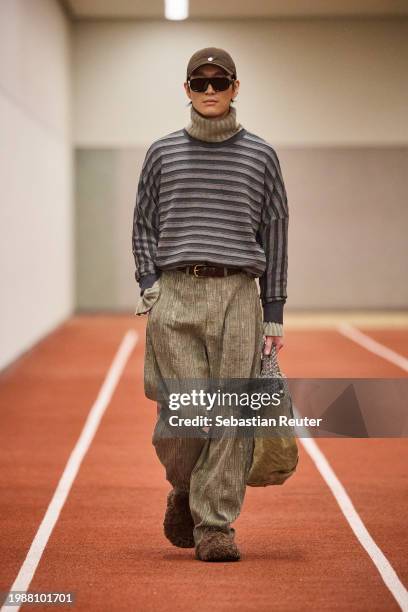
{"x":230,"y":9}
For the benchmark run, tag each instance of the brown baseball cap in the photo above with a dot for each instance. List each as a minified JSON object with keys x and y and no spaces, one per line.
{"x":211,"y":55}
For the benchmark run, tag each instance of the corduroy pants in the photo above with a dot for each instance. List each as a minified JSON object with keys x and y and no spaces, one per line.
{"x":203,"y":328}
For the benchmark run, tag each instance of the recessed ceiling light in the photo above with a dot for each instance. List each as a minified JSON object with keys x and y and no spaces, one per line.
{"x":176,"y":9}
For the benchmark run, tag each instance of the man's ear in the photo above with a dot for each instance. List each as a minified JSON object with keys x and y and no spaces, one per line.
{"x":187,"y":89}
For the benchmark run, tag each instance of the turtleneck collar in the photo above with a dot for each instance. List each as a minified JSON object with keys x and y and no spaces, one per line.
{"x":213,"y":129}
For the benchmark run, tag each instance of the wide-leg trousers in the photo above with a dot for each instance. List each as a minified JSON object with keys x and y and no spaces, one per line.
{"x":204,"y":328}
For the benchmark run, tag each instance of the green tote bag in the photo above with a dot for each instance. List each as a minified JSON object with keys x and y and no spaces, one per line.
{"x":275,"y":458}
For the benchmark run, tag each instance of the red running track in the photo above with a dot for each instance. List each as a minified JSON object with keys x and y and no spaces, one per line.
{"x":299,"y":552}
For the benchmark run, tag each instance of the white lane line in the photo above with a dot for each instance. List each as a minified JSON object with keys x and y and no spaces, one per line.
{"x":27,"y":570}
{"x":387,"y":572}
{"x":376,"y":555}
{"x":372,"y":345}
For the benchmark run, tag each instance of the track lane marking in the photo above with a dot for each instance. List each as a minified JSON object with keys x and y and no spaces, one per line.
{"x":372,"y":345}
{"x":30,"y":564}
{"x":384,"y":567}
{"x":381,"y":562}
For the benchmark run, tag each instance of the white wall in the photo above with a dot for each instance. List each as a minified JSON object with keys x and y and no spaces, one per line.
{"x":331,"y":96}
{"x":303,"y":82}
{"x":36,"y":246}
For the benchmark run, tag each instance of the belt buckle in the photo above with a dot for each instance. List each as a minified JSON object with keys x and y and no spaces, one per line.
{"x":198,"y":266}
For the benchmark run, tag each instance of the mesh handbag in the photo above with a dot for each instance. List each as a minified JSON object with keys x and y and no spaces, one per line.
{"x":275,"y":458}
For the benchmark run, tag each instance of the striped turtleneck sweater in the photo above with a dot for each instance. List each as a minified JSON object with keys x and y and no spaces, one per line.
{"x":214,"y":192}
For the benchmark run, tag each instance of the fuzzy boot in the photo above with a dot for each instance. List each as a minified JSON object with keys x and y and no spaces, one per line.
{"x":178,"y":523}
{"x":217,"y":545}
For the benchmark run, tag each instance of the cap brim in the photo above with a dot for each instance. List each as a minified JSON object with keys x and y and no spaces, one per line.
{"x":210,"y":64}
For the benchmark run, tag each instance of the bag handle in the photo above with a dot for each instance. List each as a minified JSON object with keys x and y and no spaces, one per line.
{"x":270,"y":369}
{"x":271,"y":363}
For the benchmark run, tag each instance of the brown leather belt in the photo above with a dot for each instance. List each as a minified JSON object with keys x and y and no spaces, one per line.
{"x":201,"y":269}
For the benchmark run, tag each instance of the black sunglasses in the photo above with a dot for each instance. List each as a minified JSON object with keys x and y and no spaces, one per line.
{"x":217,"y":83}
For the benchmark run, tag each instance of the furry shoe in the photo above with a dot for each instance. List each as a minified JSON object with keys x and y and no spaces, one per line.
{"x":216,"y":545}
{"x":178,"y":523}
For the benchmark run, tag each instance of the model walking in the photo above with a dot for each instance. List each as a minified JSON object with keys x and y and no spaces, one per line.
{"x":211,"y":215}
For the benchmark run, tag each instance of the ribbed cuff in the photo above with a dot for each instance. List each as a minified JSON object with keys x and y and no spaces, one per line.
{"x":273,"y":311}
{"x":147,"y":281}
{"x":148,"y":299}
{"x":272,"y":329}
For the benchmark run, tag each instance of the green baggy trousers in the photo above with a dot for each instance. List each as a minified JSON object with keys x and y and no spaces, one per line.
{"x":204,"y":328}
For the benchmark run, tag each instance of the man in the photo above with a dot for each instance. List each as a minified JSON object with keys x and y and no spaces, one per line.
{"x":211,"y":215}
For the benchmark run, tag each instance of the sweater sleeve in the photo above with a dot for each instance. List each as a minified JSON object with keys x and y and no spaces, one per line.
{"x":145,"y":231}
{"x":273,"y":236}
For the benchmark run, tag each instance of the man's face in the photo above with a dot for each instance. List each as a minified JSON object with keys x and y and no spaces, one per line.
{"x":211,"y":103}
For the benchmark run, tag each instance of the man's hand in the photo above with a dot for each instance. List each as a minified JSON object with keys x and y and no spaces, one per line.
{"x":269,"y":340}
